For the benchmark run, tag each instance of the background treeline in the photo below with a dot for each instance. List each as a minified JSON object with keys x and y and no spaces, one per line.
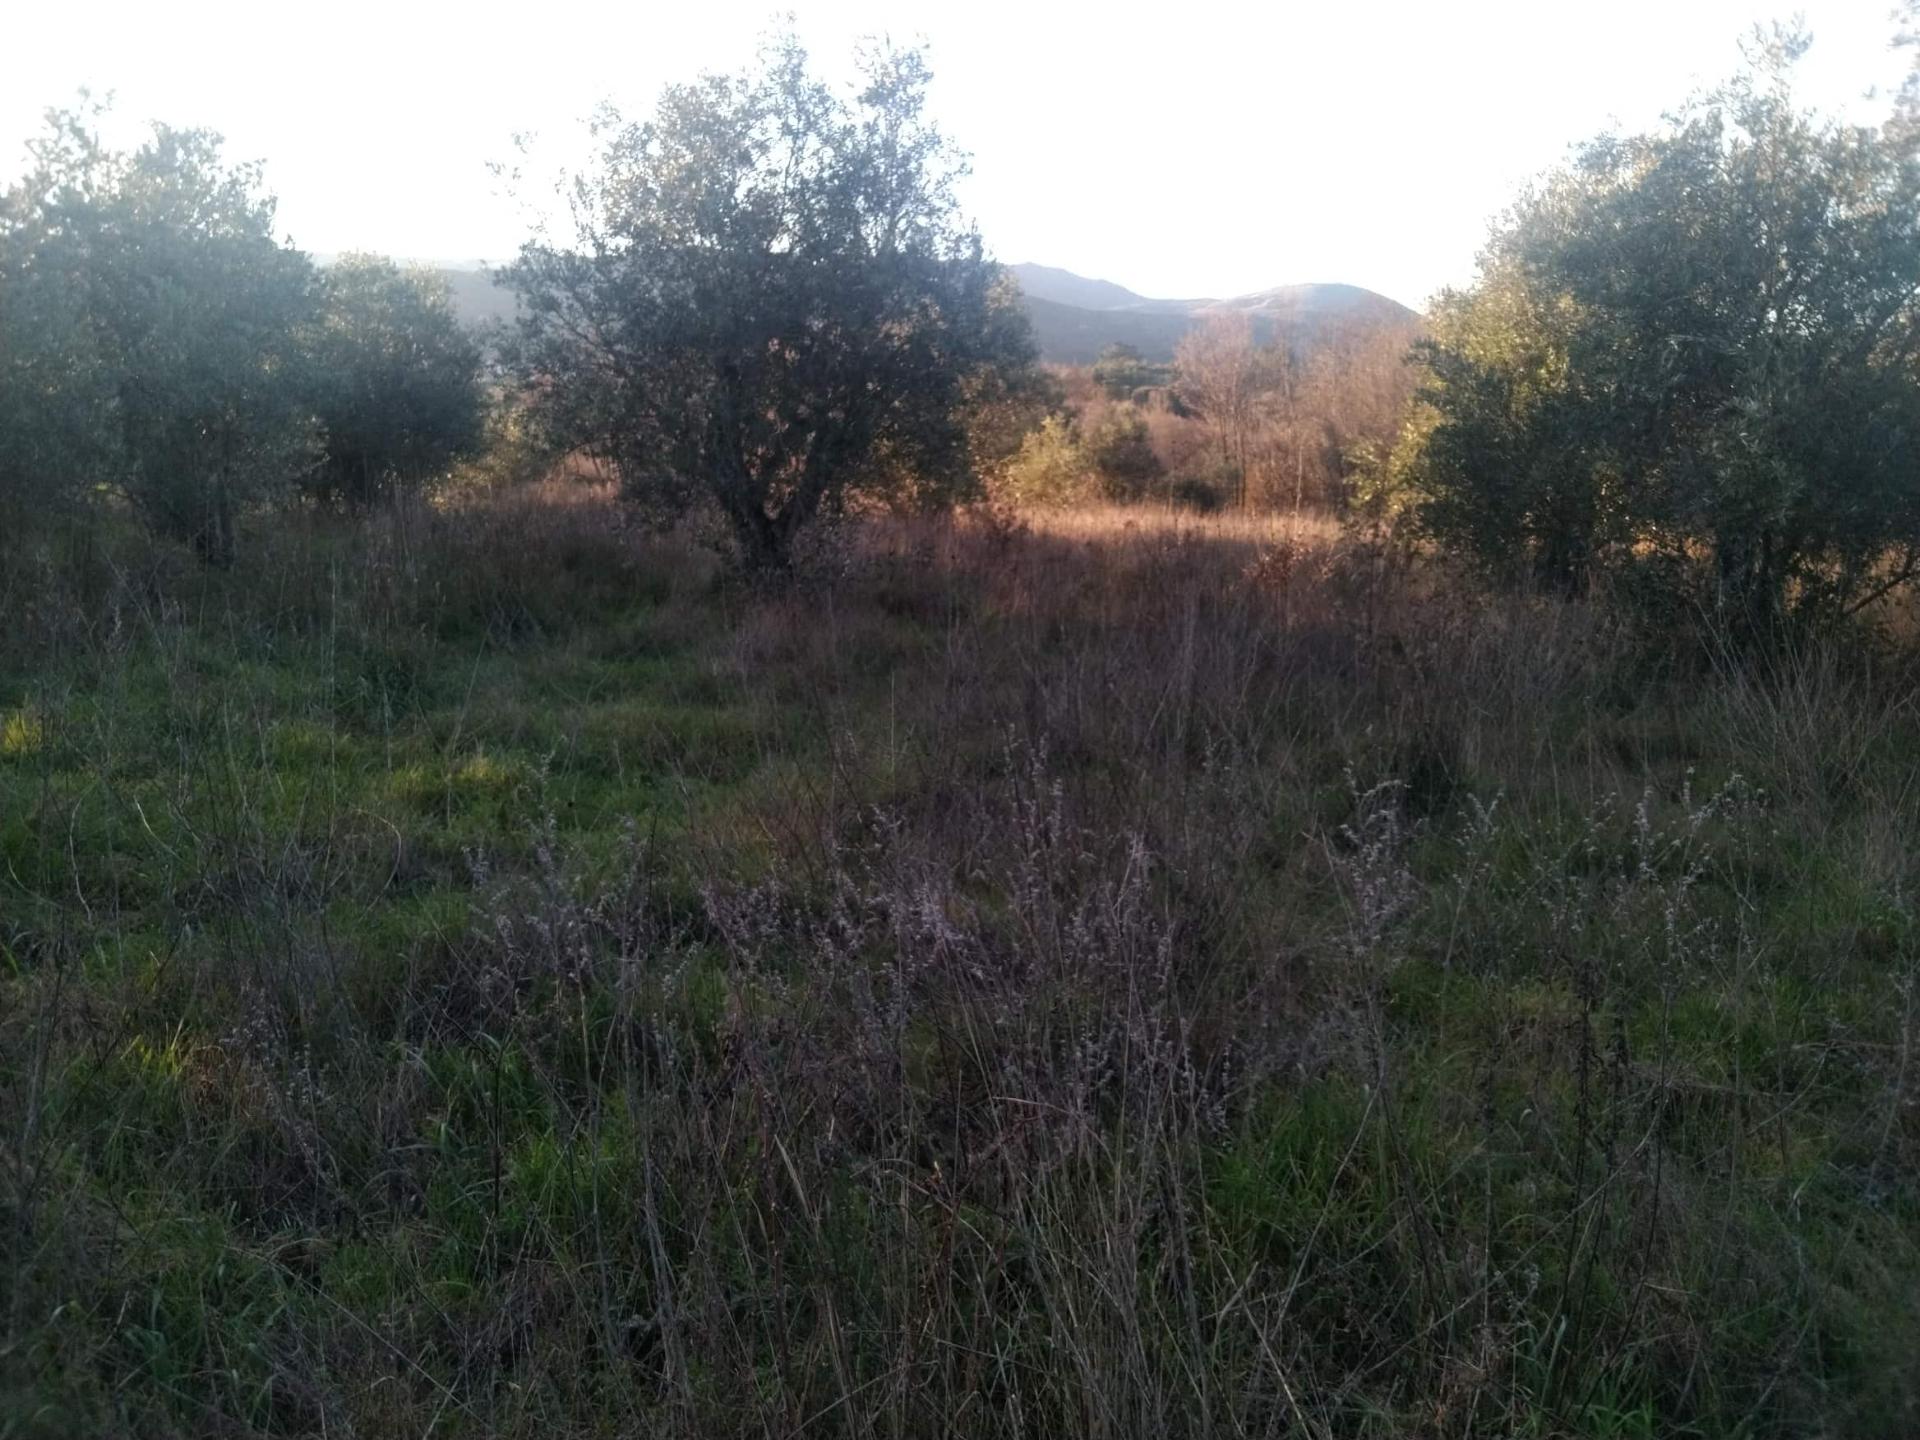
{"x":1686,"y":374}
{"x":1229,"y":423}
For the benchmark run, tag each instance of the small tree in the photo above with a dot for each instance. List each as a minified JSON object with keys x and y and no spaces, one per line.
{"x":1502,"y":437}
{"x":59,"y":434}
{"x":1120,"y":450}
{"x":774,"y":301}
{"x":1050,"y":469}
{"x":395,"y":379}
{"x":1002,"y":405}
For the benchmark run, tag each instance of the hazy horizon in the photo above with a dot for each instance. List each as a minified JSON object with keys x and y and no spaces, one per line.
{"x":1232,"y":154}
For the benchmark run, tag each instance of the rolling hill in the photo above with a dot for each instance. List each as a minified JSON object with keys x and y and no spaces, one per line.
{"x":1075,"y":318}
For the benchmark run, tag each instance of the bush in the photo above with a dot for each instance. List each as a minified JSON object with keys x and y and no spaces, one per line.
{"x":1051,"y":468}
{"x":166,"y":347}
{"x":1122,"y":455}
{"x":514,"y":449}
{"x":1122,"y":371}
{"x":1206,"y":490}
{"x":181,"y":310}
{"x":58,"y":436}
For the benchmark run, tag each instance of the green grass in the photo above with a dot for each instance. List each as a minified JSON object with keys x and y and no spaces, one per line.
{"x":567,"y":993}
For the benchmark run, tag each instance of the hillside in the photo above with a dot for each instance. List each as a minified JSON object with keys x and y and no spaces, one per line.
{"x":1075,"y":318}
{"x":1055,"y":286}
{"x":1070,"y":335}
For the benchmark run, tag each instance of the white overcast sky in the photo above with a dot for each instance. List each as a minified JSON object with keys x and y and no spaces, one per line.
{"x":1182,"y":147}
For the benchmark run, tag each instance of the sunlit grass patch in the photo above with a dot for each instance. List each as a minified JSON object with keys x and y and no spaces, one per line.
{"x":480,"y":779}
{"x":22,"y":733}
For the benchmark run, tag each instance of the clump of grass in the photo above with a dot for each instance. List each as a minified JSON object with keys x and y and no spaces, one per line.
{"x":22,"y":733}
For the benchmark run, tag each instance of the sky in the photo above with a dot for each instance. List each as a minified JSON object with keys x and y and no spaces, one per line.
{"x":1181,"y":148}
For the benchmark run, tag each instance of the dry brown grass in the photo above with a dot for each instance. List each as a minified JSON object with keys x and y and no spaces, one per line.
{"x":1111,"y":525}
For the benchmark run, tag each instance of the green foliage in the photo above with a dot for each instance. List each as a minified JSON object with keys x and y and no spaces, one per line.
{"x":774,"y":302}
{"x":1691,"y":354}
{"x":395,"y":380}
{"x":1121,"y":453}
{"x":1382,"y":480}
{"x":1001,"y":405}
{"x":1051,"y":468}
{"x":1122,"y":371}
{"x":1498,"y":464}
{"x":152,"y":328}
{"x":515,"y":448}
{"x":57,"y":423}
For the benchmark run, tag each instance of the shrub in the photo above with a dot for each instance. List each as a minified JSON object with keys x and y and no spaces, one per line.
{"x":1122,"y":455}
{"x":175,"y":339}
{"x":514,"y":449}
{"x":1206,"y":490}
{"x":1051,"y":468}
{"x":1122,"y":371}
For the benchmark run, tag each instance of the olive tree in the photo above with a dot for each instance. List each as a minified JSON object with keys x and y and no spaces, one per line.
{"x":772,"y":300}
{"x":1694,"y":352}
{"x":58,"y":439}
{"x":152,"y":326}
{"x":395,"y":379}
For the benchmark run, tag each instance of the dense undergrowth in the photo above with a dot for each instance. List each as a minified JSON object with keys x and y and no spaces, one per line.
{"x":493,"y":974}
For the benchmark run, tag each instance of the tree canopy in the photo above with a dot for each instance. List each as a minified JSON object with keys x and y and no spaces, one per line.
{"x":772,"y":301}
{"x":1691,"y":357}
{"x":1122,"y":369}
{"x":153,"y":328}
{"x":395,"y":378}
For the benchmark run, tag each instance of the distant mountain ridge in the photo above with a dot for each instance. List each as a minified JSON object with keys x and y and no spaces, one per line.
{"x":1063,"y":287}
{"x":1075,"y":318}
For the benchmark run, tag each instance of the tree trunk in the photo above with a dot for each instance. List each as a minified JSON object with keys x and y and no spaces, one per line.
{"x":215,"y":537}
{"x":763,"y":547}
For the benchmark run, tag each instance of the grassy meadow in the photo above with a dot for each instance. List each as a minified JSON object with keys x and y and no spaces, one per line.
{"x":488,"y":971}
